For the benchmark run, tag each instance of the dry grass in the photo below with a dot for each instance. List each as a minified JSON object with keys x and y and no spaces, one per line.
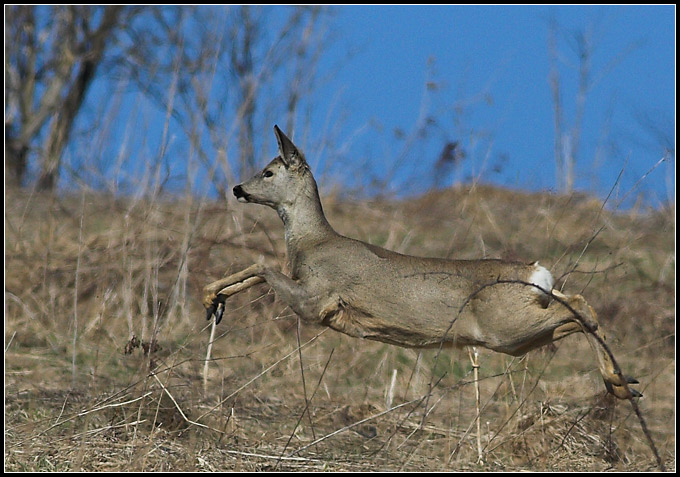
{"x":85,"y":275}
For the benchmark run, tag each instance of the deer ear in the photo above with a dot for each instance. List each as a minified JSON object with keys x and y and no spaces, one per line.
{"x":288,"y":152}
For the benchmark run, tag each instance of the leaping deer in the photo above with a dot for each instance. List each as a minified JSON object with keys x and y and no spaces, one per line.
{"x":369,"y":292}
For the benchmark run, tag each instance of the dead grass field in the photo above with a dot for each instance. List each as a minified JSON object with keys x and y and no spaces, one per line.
{"x":105,"y":342}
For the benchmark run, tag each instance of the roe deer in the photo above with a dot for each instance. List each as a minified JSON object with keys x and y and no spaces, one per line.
{"x":369,"y":292}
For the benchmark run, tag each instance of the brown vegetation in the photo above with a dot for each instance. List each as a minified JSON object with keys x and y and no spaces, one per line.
{"x":106,"y":342}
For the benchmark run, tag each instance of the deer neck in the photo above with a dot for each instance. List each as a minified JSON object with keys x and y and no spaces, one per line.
{"x":304,"y":222}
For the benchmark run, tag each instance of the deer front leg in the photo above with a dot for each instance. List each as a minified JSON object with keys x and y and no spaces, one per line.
{"x":216,"y":293}
{"x":287,"y":289}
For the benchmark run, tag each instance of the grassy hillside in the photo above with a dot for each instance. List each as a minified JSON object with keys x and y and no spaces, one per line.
{"x":106,"y":342}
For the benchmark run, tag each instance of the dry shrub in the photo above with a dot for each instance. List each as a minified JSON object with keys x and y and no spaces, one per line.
{"x":106,"y":341}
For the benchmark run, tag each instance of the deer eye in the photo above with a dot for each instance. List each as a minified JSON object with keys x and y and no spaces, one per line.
{"x":267,"y":174}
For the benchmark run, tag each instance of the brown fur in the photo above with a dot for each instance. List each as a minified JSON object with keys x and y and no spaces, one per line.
{"x":369,"y":292}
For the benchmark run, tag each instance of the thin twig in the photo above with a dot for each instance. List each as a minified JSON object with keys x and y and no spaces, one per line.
{"x":74,"y":351}
{"x":469,"y":428}
{"x":98,"y":430}
{"x":548,"y":360}
{"x":208,"y":352}
{"x":269,"y":368}
{"x":184,"y":416}
{"x":265,"y":456}
{"x":83,"y":413}
{"x":306,"y":409}
{"x":644,"y":176}
{"x":474,"y":359}
{"x":592,"y":331}
{"x":400,"y":424}
{"x":350,"y":426}
{"x":302,"y":374}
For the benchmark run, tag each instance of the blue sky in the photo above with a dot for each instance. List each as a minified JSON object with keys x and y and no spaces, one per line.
{"x":481,"y":75}
{"x":493,"y":62}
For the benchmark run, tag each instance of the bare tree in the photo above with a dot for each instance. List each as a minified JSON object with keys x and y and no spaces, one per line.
{"x":567,"y":143}
{"x":584,"y":43}
{"x":216,"y":71}
{"x":244,"y":34}
{"x":235,"y":72}
{"x":52,"y":57}
{"x":298,"y":42}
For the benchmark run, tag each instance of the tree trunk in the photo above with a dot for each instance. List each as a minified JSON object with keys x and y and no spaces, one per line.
{"x":62,"y":122}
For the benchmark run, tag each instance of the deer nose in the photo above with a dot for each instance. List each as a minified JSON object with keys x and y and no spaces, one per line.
{"x":241,"y":195}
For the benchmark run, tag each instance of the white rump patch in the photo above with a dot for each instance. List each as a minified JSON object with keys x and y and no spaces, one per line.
{"x":544,"y":279}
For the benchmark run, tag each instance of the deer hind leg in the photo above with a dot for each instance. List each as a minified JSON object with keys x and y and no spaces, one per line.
{"x":615,"y":382}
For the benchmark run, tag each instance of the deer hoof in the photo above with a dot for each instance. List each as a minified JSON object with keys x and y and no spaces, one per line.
{"x":210,"y":311}
{"x":218,"y":313}
{"x":214,"y":305}
{"x":624,"y":391}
